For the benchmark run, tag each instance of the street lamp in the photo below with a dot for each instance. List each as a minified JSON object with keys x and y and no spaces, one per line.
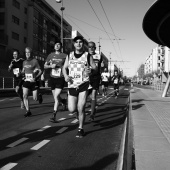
{"x":62,"y":9}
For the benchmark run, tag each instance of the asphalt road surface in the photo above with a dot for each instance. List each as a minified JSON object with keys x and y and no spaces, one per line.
{"x":34,"y":143}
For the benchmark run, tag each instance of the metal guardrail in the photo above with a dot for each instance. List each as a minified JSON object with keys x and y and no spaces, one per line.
{"x":8,"y":82}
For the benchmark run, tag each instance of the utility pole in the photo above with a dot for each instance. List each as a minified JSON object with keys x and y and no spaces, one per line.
{"x":62,"y":9}
{"x":99,"y":45}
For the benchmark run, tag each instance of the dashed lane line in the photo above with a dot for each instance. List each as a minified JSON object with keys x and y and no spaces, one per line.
{"x":17,"y":142}
{"x":14,"y":98}
{"x":75,"y":121}
{"x":8,"y":166}
{"x":62,"y":130}
{"x":61,"y":119}
{"x":39,"y":145}
{"x":44,"y":128}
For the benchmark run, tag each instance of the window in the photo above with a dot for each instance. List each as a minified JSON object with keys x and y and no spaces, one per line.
{"x":2,"y":18}
{"x":36,"y":16}
{"x":25,"y":40}
{"x":25,"y":10}
{"x":25,"y":25}
{"x":2,"y":3}
{"x":16,"y":4}
{"x":15,"y":36}
{"x":15,"y":20}
{"x":45,"y":35}
{"x":45,"y":23}
{"x":35,"y":30}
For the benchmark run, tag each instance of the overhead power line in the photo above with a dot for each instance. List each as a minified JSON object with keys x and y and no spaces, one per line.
{"x":68,"y":16}
{"x":102,"y":26}
{"x":78,"y":26}
{"x":111,"y":27}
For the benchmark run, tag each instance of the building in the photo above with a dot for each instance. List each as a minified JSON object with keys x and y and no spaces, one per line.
{"x":32,"y":23}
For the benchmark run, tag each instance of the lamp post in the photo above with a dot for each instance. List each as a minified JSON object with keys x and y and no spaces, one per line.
{"x":62,"y":9}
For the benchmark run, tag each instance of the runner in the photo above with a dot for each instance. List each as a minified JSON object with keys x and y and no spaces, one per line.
{"x":78,"y":63}
{"x":55,"y":62}
{"x":116,"y":81}
{"x":32,"y":71}
{"x":16,"y":67}
{"x":95,"y":78}
{"x":105,"y":81}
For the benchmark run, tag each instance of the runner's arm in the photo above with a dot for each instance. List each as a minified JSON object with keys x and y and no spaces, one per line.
{"x":64,"y":70}
{"x":92,"y":64}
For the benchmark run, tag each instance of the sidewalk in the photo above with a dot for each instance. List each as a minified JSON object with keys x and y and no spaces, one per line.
{"x":151,"y":124}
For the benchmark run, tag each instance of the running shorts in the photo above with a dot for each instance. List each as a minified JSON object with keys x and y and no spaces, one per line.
{"x":105,"y":83}
{"x":31,"y":85}
{"x":95,"y":82}
{"x":75,"y":91}
{"x":57,"y":83}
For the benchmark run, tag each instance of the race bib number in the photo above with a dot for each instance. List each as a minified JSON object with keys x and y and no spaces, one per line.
{"x":77,"y":76}
{"x":29,"y":77}
{"x":56,"y":72}
{"x":16,"y":71}
{"x":116,"y":81}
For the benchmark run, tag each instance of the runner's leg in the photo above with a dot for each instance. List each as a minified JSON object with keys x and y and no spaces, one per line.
{"x":81,"y":107}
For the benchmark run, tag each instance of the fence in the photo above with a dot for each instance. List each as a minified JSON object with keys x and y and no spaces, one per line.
{"x":6,"y":82}
{"x":158,"y":86}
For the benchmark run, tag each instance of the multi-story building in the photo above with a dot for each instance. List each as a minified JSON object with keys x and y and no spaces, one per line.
{"x":32,"y":23}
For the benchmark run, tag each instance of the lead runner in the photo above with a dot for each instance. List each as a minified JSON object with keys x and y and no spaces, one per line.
{"x":78,"y":63}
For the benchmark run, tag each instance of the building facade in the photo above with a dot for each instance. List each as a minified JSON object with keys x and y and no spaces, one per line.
{"x":30,"y":23}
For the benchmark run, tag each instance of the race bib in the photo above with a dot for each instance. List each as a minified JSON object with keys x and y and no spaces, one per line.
{"x":77,"y":76}
{"x":16,"y":71}
{"x":116,"y":81}
{"x":56,"y":72}
{"x":29,"y":77}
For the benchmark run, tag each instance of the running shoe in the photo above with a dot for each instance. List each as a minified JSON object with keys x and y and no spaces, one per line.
{"x":28,"y":114}
{"x":22,"y":105}
{"x":64,"y":104}
{"x":80,"y":133}
{"x":40,"y":98}
{"x":91,"y":118}
{"x":53,"y":118}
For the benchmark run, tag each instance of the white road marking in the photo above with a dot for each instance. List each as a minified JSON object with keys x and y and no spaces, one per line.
{"x":44,"y":128}
{"x":75,"y":121}
{"x":8,"y":166}
{"x":17,"y":142}
{"x":61,"y":119}
{"x":126,"y":89}
{"x":14,"y":98}
{"x":62,"y":130}
{"x":39,"y":145}
{"x":70,"y":114}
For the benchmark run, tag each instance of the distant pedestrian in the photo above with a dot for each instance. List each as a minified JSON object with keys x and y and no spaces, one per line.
{"x":79,"y":64}
{"x":32,"y":72}
{"x":55,"y":62}
{"x":105,"y":81}
{"x":16,"y":67}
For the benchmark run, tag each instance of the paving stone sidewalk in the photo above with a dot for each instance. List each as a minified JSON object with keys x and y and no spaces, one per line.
{"x":151,"y":124}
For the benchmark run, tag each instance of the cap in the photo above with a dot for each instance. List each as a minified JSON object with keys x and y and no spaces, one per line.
{"x":78,"y":38}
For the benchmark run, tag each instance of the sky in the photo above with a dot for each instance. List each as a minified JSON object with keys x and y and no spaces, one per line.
{"x":109,"y":20}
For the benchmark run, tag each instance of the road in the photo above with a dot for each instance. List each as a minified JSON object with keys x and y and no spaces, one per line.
{"x":37,"y":144}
